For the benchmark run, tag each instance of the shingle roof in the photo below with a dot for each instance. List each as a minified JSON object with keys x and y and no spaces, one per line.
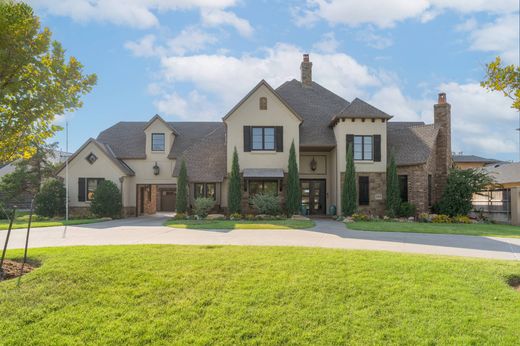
{"x":411,"y":145}
{"x":360,"y":109}
{"x":206,"y":159}
{"x":316,"y":105}
{"x":263,"y":173}
{"x":504,"y":173}
{"x":472,"y":158}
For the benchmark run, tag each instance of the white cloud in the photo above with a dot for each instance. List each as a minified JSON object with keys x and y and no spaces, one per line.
{"x":145,"y":47}
{"x":216,"y":17}
{"x":192,"y":107}
{"x":327,"y":43}
{"x":500,"y":36}
{"x":374,"y":40}
{"x":387,"y":13}
{"x":134,"y":13}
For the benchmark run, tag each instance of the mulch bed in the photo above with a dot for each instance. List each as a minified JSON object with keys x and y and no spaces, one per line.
{"x":514,"y":282}
{"x":12,"y":269}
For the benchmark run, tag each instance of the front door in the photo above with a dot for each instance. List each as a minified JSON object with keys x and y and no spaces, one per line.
{"x":313,"y":196}
{"x":167,"y":200}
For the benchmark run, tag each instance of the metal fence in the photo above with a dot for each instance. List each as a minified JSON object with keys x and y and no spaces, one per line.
{"x":494,"y":204}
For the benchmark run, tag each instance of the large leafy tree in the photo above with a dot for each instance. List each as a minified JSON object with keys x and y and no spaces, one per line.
{"x":181,"y":203}
{"x":234,"y":191}
{"x":37,"y":82}
{"x":460,"y":187}
{"x":29,"y":174}
{"x":348,"y":193}
{"x":505,"y":79}
{"x":393,"y":200}
{"x":292,"y":202}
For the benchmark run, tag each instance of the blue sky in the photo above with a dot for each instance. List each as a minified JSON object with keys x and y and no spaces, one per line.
{"x":193,"y":60}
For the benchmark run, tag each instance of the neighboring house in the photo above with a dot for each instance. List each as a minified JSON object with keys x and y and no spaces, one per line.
{"x":57,"y":158}
{"x":471,"y":161}
{"x":144,"y":158}
{"x":498,"y":202}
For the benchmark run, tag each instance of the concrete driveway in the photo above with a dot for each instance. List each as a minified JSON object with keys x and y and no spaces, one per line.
{"x":327,"y":234}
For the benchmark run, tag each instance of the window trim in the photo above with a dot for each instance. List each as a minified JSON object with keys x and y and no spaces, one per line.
{"x":205,"y":190}
{"x":164,"y":141}
{"x":362,"y":147}
{"x":87,"y":199}
{"x":263,"y":181}
{"x":263,"y":138}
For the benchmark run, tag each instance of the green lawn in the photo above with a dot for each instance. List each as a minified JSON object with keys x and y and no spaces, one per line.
{"x":4,"y":224}
{"x":229,"y":295}
{"x":228,"y":224}
{"x":490,"y":230}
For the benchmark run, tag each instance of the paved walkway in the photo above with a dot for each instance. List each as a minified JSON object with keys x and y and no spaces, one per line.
{"x":327,"y":234}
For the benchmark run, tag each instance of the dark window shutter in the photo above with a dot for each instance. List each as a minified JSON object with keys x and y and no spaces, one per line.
{"x":364,"y":191}
{"x":247,"y":138}
{"x":350,"y":141}
{"x":377,"y":148}
{"x":81,"y":189}
{"x":279,"y":138}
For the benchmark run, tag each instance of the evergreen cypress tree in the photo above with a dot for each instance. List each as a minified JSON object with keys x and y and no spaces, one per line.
{"x":393,"y":199}
{"x":181,"y":203}
{"x":292,"y":203}
{"x":234,"y":190}
{"x":348,"y":194}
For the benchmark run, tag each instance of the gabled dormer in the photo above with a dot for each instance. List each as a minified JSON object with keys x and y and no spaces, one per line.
{"x":159,"y":137}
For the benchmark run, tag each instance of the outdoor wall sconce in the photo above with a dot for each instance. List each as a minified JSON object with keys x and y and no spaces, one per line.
{"x":156,"y":169}
{"x":314,"y":164}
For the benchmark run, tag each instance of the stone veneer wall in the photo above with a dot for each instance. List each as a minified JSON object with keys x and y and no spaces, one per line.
{"x":377,"y":188}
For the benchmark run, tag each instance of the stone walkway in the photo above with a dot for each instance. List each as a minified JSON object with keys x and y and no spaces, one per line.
{"x":326,"y":234}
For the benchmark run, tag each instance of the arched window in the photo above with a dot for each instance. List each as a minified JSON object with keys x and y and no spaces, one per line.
{"x":263,"y":103}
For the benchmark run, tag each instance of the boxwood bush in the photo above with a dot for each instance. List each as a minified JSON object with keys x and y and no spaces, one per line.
{"x":202,"y":206}
{"x":107,"y":200}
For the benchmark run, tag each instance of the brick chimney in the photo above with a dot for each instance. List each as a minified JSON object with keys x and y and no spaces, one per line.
{"x":442,"y":121}
{"x":306,"y":69}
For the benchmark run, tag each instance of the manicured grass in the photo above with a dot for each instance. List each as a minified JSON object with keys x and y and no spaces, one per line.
{"x":490,"y":230}
{"x":228,"y":224}
{"x":4,"y":224}
{"x":226,"y":295}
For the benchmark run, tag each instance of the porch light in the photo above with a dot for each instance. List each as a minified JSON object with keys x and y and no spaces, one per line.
{"x":314,"y":164}
{"x":156,"y":169}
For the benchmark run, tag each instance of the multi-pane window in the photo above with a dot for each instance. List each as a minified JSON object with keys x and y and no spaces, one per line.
{"x":262,"y":138}
{"x":207,"y":190}
{"x":363,"y":148}
{"x":364,"y":190}
{"x":158,"y":142}
{"x":403,"y":187}
{"x":263,"y":186}
{"x":92,"y":184}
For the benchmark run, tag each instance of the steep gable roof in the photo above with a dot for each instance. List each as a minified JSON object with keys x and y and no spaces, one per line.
{"x":360,"y":109}
{"x":159,"y":118}
{"x":262,"y":83}
{"x":413,"y":144}
{"x":472,"y":159}
{"x":105,"y":149}
{"x":316,"y":105}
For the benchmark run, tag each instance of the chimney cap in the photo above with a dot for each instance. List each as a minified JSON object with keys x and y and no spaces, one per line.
{"x":442,"y":98}
{"x":306,"y":57}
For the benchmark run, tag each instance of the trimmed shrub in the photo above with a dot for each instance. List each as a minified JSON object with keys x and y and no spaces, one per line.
{"x":424,"y":217}
{"x":234,"y":190}
{"x":50,"y":201}
{"x":249,"y":217}
{"x":202,"y":206}
{"x":393,"y":199}
{"x":461,"y":219}
{"x":107,"y":200}
{"x":235,"y":216}
{"x":180,"y":216}
{"x":407,"y":209}
{"x":360,"y":217}
{"x":181,"y":203}
{"x":441,"y":218}
{"x":266,"y":203}
{"x":293,"y":201}
{"x":348,"y":192}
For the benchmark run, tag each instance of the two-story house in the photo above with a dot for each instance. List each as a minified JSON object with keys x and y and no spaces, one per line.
{"x":144,"y":158}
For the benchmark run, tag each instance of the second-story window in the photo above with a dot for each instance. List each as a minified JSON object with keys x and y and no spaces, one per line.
{"x":263,"y":138}
{"x":263,"y":103}
{"x":158,"y":142}
{"x":363,"y":148}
